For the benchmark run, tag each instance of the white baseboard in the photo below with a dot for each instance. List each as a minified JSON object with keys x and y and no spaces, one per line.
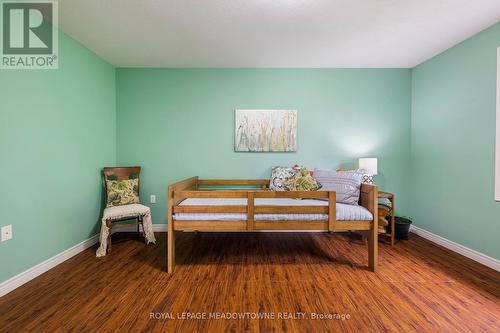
{"x":458,"y":248}
{"x":159,"y":227}
{"x":156,"y":228}
{"x":31,"y":273}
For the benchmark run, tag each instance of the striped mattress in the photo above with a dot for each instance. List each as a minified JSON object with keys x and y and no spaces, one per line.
{"x":344,"y":212}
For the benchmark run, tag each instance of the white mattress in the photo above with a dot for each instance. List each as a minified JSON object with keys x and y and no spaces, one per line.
{"x":344,"y":212}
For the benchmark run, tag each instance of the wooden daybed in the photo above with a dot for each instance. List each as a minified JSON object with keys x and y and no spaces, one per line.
{"x":249,"y":214}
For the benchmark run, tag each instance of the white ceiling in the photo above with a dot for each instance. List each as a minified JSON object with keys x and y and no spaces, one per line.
{"x":273,"y":33}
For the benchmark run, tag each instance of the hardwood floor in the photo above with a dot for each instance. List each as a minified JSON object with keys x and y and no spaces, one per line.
{"x":419,"y":287}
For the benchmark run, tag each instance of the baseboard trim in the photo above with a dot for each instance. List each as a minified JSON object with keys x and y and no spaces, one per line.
{"x":156,"y":228}
{"x":31,"y":273}
{"x":458,"y":248}
{"x":159,"y":227}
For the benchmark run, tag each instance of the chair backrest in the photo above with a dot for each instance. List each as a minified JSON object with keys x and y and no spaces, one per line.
{"x":119,"y":173}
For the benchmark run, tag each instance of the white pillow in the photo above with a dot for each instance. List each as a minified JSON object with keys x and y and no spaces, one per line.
{"x":347,"y":184}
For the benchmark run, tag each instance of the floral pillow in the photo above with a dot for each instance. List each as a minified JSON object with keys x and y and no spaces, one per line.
{"x":302,"y":181}
{"x":280,"y":175}
{"x":122,"y":192}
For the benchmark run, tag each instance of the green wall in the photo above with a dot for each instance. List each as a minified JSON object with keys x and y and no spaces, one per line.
{"x":432,"y":129}
{"x":180,"y":123}
{"x":453,"y":144}
{"x":57,"y":130}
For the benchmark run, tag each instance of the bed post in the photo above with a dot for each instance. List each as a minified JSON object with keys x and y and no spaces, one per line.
{"x":170,"y":234}
{"x":332,"y":210}
{"x":373,"y":239}
{"x":250,"y":211}
{"x":173,"y":200}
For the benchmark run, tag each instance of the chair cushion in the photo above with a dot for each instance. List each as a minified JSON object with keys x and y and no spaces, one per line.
{"x":122,"y":192}
{"x":119,"y":212}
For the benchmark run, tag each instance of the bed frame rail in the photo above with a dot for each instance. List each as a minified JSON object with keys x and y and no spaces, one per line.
{"x":194,"y":188}
{"x":262,"y":183}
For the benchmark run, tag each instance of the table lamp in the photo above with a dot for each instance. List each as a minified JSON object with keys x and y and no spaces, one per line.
{"x":369,"y":167}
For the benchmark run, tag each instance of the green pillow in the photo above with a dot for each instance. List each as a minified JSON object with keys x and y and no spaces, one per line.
{"x":122,"y":192}
{"x":302,"y":181}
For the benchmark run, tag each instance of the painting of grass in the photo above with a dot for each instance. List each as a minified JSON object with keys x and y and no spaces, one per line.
{"x":265,"y":130}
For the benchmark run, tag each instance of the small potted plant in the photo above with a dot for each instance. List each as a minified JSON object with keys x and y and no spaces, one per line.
{"x":402,"y":226}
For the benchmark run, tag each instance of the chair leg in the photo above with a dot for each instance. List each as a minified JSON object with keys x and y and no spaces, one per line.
{"x":109,"y":225}
{"x":144,"y":234}
{"x":139,"y":234}
{"x":138,"y":220}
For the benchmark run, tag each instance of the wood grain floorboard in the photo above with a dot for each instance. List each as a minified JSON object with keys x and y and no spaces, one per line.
{"x":420,"y":287}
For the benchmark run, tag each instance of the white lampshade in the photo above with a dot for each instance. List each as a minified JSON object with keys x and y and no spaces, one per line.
{"x":369,"y":165}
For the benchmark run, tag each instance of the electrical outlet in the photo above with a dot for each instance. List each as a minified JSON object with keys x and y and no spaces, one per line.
{"x":152,"y":198}
{"x":6,"y":232}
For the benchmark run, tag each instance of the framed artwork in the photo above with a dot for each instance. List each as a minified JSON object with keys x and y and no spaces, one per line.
{"x":265,"y":130}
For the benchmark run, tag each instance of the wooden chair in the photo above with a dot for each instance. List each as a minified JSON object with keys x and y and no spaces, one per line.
{"x":121,"y":173}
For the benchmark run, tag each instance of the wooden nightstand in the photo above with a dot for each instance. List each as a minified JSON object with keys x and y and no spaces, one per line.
{"x":383,"y":211}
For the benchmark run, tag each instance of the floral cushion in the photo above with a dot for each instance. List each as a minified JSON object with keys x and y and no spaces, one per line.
{"x":279,"y":175}
{"x":302,"y":181}
{"x":122,"y":192}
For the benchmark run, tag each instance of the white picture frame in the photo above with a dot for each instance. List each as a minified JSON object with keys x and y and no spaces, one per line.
{"x":497,"y":145}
